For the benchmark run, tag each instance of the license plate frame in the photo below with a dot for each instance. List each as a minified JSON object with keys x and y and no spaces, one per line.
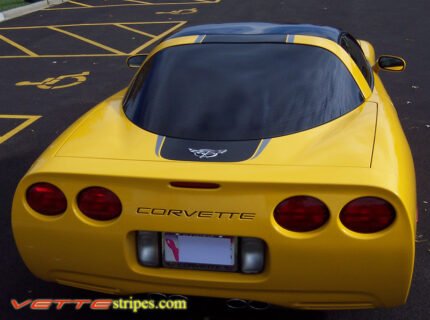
{"x":186,"y":242}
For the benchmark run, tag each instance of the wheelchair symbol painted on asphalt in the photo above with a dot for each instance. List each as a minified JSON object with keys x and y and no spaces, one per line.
{"x":53,"y":83}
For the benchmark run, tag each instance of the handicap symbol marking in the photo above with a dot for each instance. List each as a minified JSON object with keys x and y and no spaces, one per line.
{"x":178,"y":12}
{"x":52,"y":83}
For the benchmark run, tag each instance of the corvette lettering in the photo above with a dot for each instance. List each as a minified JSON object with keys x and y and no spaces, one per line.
{"x":196,"y":214}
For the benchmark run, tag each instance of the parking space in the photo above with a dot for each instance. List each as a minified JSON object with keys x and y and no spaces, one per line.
{"x":54,"y":50}
{"x":58,"y":63}
{"x":78,"y":40}
{"x":121,"y":3}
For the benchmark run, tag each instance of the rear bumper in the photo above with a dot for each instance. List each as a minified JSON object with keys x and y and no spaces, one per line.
{"x":300,"y":273}
{"x":330,"y":268}
{"x":316,"y":300}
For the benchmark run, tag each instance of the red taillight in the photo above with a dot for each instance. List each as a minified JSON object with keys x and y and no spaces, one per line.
{"x":47,"y":199}
{"x":99,"y":203}
{"x":367,"y":215}
{"x":301,"y":214}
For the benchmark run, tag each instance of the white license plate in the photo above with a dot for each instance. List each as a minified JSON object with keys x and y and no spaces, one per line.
{"x":202,"y":252}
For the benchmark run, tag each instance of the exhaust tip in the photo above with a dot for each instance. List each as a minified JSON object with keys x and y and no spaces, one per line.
{"x":257,"y":305}
{"x":236,"y":303}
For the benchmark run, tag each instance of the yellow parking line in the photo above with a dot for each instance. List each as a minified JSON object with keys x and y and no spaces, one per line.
{"x":165,"y":33}
{"x":68,"y":56}
{"x":96,"y":7}
{"x":94,"y":43}
{"x":91,"y":24}
{"x":81,"y":4}
{"x":140,"y":3}
{"x":22,"y":126}
{"x":134,"y":30}
{"x":170,"y":3}
{"x":137,"y":1}
{"x":18,"y":46}
{"x":113,"y":52}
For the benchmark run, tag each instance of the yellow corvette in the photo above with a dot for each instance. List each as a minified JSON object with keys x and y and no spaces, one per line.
{"x":255,"y":161}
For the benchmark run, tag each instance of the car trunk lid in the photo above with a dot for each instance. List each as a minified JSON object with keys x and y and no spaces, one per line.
{"x":107,"y":134}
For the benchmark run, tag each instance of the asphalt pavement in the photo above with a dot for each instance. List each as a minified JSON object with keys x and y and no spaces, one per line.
{"x":57,"y":63}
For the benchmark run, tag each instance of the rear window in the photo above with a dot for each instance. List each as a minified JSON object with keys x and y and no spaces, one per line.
{"x":240,"y":91}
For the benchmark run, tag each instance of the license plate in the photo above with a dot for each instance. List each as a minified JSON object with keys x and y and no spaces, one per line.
{"x":201,"y":252}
